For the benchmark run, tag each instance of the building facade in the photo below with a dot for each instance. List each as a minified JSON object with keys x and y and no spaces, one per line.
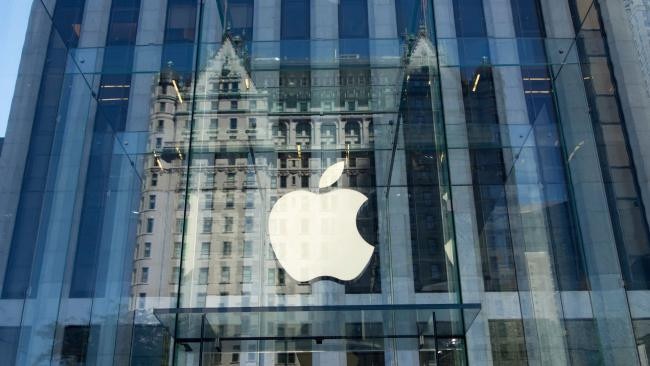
{"x":180,"y":183}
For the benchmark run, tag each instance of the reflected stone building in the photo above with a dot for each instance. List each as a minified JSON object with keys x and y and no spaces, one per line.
{"x":500,"y":145}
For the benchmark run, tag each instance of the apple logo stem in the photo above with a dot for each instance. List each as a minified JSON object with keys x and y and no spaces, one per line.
{"x":315,"y":235}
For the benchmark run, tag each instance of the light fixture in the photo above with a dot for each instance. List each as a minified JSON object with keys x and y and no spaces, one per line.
{"x":178,"y":92}
{"x":247,"y":82}
{"x":478,"y":77}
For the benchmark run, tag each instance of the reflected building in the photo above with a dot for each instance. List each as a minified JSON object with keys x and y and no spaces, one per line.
{"x":500,"y":147}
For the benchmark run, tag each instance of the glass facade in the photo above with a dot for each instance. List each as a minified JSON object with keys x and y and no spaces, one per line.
{"x":350,"y":182}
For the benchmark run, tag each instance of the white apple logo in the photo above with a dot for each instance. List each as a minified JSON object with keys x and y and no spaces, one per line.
{"x":316,"y":235}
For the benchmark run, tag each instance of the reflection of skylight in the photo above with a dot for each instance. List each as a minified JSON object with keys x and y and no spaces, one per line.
{"x":178,"y":92}
{"x":478,"y":77}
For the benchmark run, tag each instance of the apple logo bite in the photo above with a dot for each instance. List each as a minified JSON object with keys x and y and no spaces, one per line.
{"x":316,"y":235}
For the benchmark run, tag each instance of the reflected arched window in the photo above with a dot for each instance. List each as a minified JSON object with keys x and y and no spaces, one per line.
{"x":328,"y":133}
{"x":303,"y":132}
{"x":280,"y":132}
{"x":352,"y":132}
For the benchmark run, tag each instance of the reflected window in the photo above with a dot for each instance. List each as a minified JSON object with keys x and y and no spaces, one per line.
{"x":226,"y":249}
{"x":177,"y":249}
{"x":270,"y":277}
{"x":281,"y":277}
{"x":508,"y":343}
{"x":228,"y":224}
{"x":203,"y":275}
{"x":152,"y":201}
{"x":176,"y":271}
{"x":208,"y":203}
{"x":147,"y":250}
{"x":230,"y":200}
{"x":75,"y":344}
{"x":144,"y":275}
{"x":247,"y":249}
{"x":201,"y":299}
{"x":150,"y":223}
{"x":233,"y":123}
{"x":225,"y":274}
{"x":246,"y":274}
{"x":142,"y":300}
{"x":207,"y":225}
{"x":205,"y":249}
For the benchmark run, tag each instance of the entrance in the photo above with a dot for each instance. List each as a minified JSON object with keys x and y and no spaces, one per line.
{"x":363,"y":335}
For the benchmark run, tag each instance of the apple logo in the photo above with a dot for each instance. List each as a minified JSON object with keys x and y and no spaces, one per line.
{"x":316,"y":235}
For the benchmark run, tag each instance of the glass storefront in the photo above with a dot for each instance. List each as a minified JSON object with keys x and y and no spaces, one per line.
{"x":349,"y":182}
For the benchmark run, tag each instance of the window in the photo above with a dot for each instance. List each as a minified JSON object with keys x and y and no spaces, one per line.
{"x":233,"y":104}
{"x":144,"y":275}
{"x":203,"y":275}
{"x":214,"y":124}
{"x":246,"y":274}
{"x":233,"y":123}
{"x":270,"y":254}
{"x":158,"y":142}
{"x":181,"y":202}
{"x":281,"y":276}
{"x":179,"y":225}
{"x":136,"y":252}
{"x":227,"y":225}
{"x":230,"y":200}
{"x":230,"y":178}
{"x":252,"y":123}
{"x":248,"y":223}
{"x":162,"y":106}
{"x":208,"y":201}
{"x":142,"y":300}
{"x":177,"y":249}
{"x":252,"y":104}
{"x":154,"y":179}
{"x":225,"y":275}
{"x":150,"y":225}
{"x":214,"y":105}
{"x":352,"y":180}
{"x":161,"y":125}
{"x":152,"y":201}
{"x":176,"y":271}
{"x":226,"y":249}
{"x":147,"y":250}
{"x":304,"y":181}
{"x":283,"y":182}
{"x":205,"y":249}
{"x":201,"y":299}
{"x":274,"y":182}
{"x":247,"y":249}
{"x":209,"y":180}
{"x":207,"y":225}
{"x":270,"y":277}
